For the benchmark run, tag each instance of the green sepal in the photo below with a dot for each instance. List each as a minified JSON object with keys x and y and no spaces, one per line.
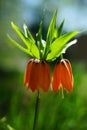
{"x":58,"y":45}
{"x":28,"y":40}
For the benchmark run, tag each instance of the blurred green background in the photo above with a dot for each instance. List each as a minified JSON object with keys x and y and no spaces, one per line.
{"x":16,"y":102}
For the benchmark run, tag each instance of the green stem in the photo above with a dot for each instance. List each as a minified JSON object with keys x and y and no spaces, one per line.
{"x":61,"y":56}
{"x":36,"y":111}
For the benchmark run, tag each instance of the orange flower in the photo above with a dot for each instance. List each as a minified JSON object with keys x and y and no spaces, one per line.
{"x":62,"y":76}
{"x":37,"y":75}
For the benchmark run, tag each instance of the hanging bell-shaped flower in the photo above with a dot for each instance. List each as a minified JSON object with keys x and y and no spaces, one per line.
{"x":37,"y":75}
{"x":62,"y":76}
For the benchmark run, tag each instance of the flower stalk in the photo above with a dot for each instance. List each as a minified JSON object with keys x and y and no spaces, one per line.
{"x":36,"y":110}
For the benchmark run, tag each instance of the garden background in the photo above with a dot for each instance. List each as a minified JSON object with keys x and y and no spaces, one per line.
{"x":16,"y":102}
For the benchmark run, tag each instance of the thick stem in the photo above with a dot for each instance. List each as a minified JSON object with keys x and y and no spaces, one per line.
{"x":36,"y":111}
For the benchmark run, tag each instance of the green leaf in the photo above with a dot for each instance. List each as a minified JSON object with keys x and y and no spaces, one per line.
{"x":58,"y":45}
{"x":39,"y":34}
{"x":27,"y":33}
{"x":60,"y":28}
{"x":51,"y":30}
{"x":28,"y":41}
{"x":40,"y":42}
{"x":39,"y":37}
{"x":51,"y":34}
{"x":18,"y":45}
{"x":20,"y":34}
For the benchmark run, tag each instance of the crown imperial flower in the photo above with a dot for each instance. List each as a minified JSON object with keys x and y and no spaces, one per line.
{"x":37,"y":75}
{"x":62,"y":76}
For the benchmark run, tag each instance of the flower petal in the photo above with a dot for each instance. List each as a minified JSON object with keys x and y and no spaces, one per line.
{"x":66,"y":75}
{"x":27,"y":73}
{"x":70,"y":71}
{"x":44,"y":76}
{"x":34,"y":76}
{"x":56,"y":79}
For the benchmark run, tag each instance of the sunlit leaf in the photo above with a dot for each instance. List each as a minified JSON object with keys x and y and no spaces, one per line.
{"x":52,"y":29}
{"x":28,"y":41}
{"x":18,"y":45}
{"x":39,"y":34}
{"x":27,"y":33}
{"x":51,"y":34}
{"x":39,"y":37}
{"x":20,"y":33}
{"x":60,"y":28}
{"x":58,"y":45}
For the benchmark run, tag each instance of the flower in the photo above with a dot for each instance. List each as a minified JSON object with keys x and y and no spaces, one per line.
{"x":37,"y":75}
{"x":62,"y":76}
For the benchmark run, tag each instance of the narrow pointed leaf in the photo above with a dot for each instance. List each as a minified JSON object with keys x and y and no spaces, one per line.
{"x":27,"y":33}
{"x":51,"y":34}
{"x":51,"y":29}
{"x":60,"y":28}
{"x":39,"y":37}
{"x":29,"y":42}
{"x":34,"y":50}
{"x":20,"y":34}
{"x":58,"y":45}
{"x":18,"y":45}
{"x":39,"y":34}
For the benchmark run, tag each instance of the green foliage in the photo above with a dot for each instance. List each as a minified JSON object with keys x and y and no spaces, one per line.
{"x":28,"y":40}
{"x":59,"y":44}
{"x":48,"y":50}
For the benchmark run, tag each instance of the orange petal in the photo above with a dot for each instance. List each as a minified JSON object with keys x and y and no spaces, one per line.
{"x":34,"y":76}
{"x":66,"y":75}
{"x":44,"y":82}
{"x":56,"y":78}
{"x":27,"y":73}
{"x":70,"y":71}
